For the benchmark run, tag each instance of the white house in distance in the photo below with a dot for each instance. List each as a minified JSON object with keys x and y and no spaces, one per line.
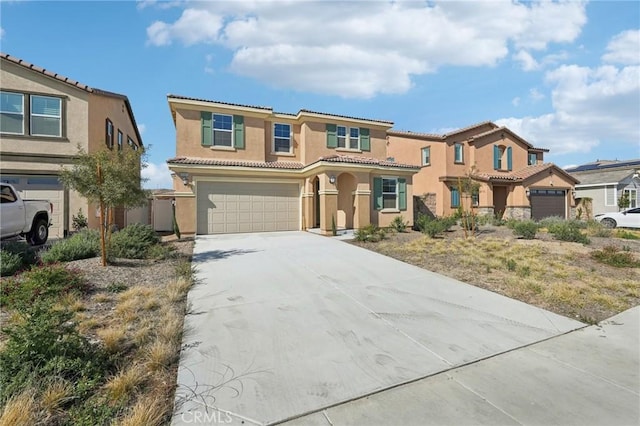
{"x":606,"y":181}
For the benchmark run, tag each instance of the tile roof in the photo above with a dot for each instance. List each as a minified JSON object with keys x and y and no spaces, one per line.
{"x":346,"y":116}
{"x":414,"y":134}
{"x":76,"y":84}
{"x":287,"y":165}
{"x":187,"y":98}
{"x":464,"y":129}
{"x":518,"y":175}
{"x":365,"y":160}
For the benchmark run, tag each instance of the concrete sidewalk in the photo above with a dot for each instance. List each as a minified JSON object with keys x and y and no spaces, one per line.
{"x":587,"y":377}
{"x":286,"y":324}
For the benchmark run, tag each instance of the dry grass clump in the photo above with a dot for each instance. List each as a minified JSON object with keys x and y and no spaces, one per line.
{"x":148,"y":411}
{"x":20,"y":410}
{"x":113,"y":338}
{"x":55,"y":395}
{"x":125,"y":383}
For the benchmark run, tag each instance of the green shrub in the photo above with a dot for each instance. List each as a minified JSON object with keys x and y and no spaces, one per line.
{"x":550,"y":222}
{"x":79,"y":221}
{"x":159,"y":251}
{"x":611,"y":255}
{"x":511,"y":265}
{"x":621,"y":233}
{"x":44,"y":343}
{"x":10,"y":263}
{"x":526,"y":229}
{"x":133,"y":242}
{"x":82,"y":245}
{"x":568,"y":231}
{"x":371,"y":233}
{"x":40,"y":282}
{"x":434,"y":226}
{"x":596,"y":229}
{"x":398,"y":224}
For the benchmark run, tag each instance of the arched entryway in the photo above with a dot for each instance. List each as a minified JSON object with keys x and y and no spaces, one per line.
{"x":346,"y":185}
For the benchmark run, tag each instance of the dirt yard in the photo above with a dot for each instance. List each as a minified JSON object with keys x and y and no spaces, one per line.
{"x":559,"y":276}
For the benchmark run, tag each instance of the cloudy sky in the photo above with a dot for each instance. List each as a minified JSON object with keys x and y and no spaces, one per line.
{"x":564,"y":75}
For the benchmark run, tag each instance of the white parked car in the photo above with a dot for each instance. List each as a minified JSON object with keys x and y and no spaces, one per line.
{"x":629,"y":218}
{"x":28,"y":218}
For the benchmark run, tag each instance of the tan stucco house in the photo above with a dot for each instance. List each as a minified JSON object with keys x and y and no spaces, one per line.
{"x":242,"y":168}
{"x":44,"y":117}
{"x":514,"y":181}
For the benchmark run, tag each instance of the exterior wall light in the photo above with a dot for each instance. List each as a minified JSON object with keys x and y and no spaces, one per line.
{"x":527,"y":192}
{"x":332,"y":179}
{"x":185,"y":178}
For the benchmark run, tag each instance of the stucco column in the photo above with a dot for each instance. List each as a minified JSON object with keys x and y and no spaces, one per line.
{"x":362,"y":202}
{"x":328,"y":203}
{"x":307,"y":204}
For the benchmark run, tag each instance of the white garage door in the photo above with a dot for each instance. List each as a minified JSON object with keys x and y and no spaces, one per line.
{"x":43,"y":188}
{"x":230,"y":207}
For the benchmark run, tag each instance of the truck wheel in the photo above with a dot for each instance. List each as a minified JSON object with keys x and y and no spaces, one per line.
{"x":39,"y":233}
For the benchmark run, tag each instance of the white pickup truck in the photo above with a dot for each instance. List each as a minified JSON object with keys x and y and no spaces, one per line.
{"x":28,"y":218}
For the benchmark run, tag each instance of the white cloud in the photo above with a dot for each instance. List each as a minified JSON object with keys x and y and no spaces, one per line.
{"x":527,"y":62}
{"x":591,"y":105}
{"x":141,"y":128}
{"x":360,"y":49}
{"x":535,"y":95}
{"x":158,"y":176}
{"x":515,"y":101}
{"x":624,"y":48}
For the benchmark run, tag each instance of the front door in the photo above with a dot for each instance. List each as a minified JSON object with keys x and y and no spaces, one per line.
{"x":316,"y":203}
{"x":499,"y":200}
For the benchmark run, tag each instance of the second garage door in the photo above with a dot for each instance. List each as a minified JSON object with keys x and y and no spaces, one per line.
{"x":547,"y":202}
{"x":230,"y":207}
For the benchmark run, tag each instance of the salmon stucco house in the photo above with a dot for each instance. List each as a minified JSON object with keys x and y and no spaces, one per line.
{"x":44,"y":118}
{"x":241,"y":168}
{"x":514,"y":181}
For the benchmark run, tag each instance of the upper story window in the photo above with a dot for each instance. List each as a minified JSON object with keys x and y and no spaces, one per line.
{"x":426,"y":156}
{"x":11,"y":113}
{"x":132,"y":144}
{"x":281,"y":137}
{"x":356,"y":138}
{"x":459,"y":153}
{"x":222,"y":130}
{"x":532,"y":159}
{"x":502,"y":157}
{"x":108,"y":134}
{"x":46,"y":116}
{"x":120,"y":140}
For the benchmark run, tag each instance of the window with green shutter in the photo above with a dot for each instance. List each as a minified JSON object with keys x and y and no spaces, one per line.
{"x":377,"y":193}
{"x":206,"y":119}
{"x":509,"y":158}
{"x":365,"y":140}
{"x":496,"y":157}
{"x":402,"y":194}
{"x":238,"y":131}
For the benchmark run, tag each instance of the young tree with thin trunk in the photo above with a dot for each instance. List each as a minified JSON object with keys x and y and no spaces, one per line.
{"x":108,"y":180}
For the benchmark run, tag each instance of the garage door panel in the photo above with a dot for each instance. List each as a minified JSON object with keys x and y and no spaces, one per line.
{"x":546,"y":203}
{"x":247,"y":207}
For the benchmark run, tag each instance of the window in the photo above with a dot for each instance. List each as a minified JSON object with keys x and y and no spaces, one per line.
{"x":281,"y":137}
{"x":455,"y":197}
{"x":389,"y":193}
{"x":475,"y":199}
{"x":353,"y":141}
{"x":222,"y":130}
{"x":11,"y":113}
{"x":43,"y":180}
{"x":46,"y":116}
{"x":426,"y":156}
{"x":499,"y":160}
{"x":342,"y":137}
{"x":7,"y":195}
{"x":459,"y":157}
{"x":610,"y":196}
{"x":108,"y":134}
{"x":533,"y":159}
{"x":354,"y":138}
{"x":120,"y":136}
{"x":633,"y":197}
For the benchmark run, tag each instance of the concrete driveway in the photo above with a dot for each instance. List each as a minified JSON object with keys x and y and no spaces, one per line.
{"x":283,"y":325}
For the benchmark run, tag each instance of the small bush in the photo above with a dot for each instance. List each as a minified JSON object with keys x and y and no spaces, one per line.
{"x":551,"y":222}
{"x":398,"y":224}
{"x":371,"y":233}
{"x":612,"y":256}
{"x":511,"y":265}
{"x":526,"y":229}
{"x":10,"y":263}
{"x":568,"y":231}
{"x":596,"y":229}
{"x":621,"y":233}
{"x":40,"y":282}
{"x":82,"y":245}
{"x":434,"y":226}
{"x":133,"y":242}
{"x":79,"y":221}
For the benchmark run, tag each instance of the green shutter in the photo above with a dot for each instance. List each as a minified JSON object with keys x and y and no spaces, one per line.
{"x":365,"y":141}
{"x":496,"y":157}
{"x":402,"y":194}
{"x":377,"y":193}
{"x":509,"y":159}
{"x":206,"y":120}
{"x":332,"y":136}
{"x":238,"y":131}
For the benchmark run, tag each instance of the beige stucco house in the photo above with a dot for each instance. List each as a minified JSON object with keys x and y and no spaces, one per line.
{"x":44,"y":118}
{"x":242,"y":168}
{"x":514,"y":181}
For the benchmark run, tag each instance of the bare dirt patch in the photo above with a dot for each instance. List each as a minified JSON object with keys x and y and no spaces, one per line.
{"x":559,"y":276}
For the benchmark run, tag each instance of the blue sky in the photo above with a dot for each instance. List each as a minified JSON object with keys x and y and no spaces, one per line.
{"x":563,"y":75}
